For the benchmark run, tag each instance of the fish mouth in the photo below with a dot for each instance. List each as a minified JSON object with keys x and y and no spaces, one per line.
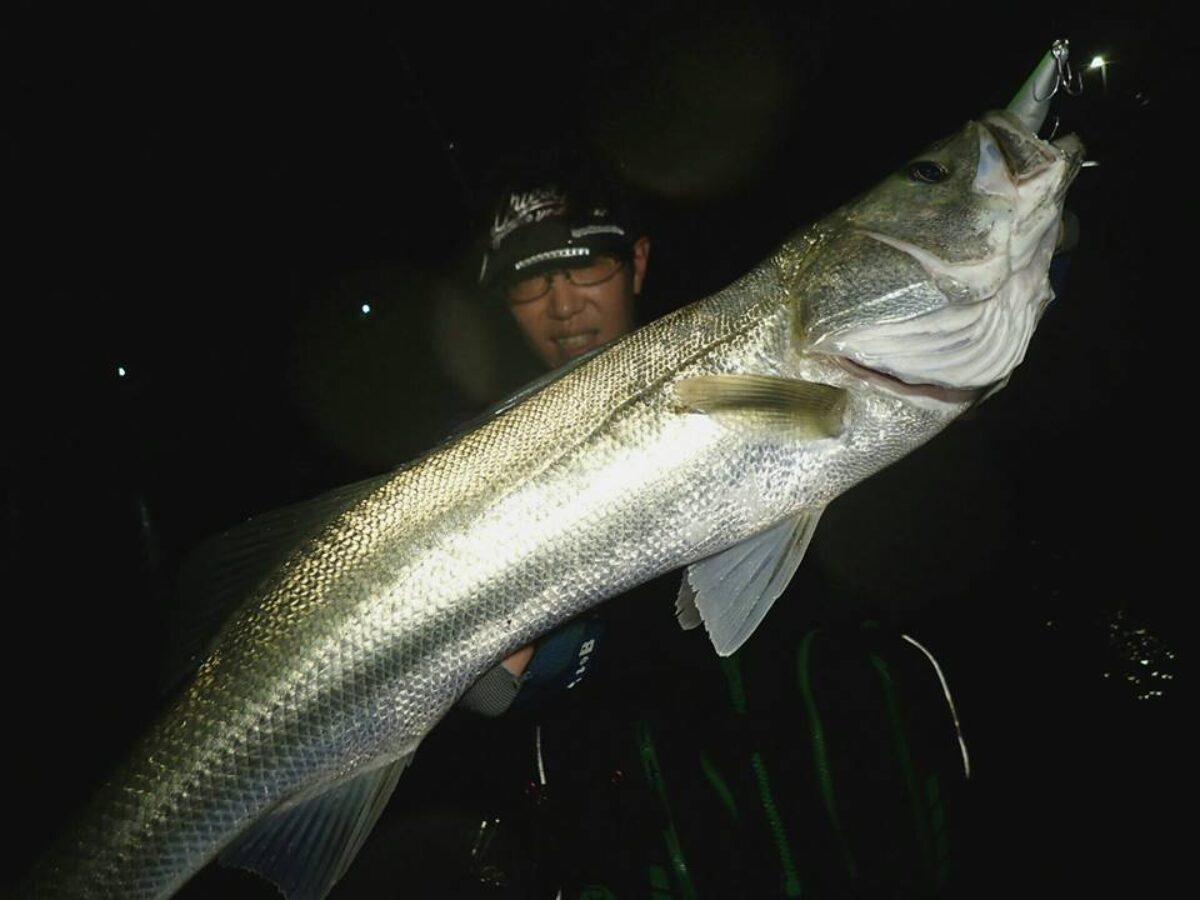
{"x":1070,"y":146}
{"x":897,"y":385}
{"x":1026,"y":155}
{"x":1074,"y":152}
{"x":1025,"y":159}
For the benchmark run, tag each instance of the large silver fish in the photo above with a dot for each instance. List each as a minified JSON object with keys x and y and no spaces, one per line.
{"x":712,"y":439}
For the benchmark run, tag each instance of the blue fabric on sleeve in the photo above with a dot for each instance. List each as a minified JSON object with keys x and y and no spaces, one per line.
{"x":560,"y":663}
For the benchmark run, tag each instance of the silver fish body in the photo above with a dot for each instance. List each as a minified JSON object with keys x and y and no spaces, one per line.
{"x":908,"y":303}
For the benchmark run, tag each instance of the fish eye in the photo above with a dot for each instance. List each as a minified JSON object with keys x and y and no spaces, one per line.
{"x":927,"y":171}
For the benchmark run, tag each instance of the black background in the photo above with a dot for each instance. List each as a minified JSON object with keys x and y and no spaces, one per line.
{"x":206,"y":196}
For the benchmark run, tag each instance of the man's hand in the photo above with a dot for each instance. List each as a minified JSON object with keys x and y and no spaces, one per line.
{"x":519,"y":660}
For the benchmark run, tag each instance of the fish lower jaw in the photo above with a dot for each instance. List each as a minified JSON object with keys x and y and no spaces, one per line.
{"x":894,"y":384}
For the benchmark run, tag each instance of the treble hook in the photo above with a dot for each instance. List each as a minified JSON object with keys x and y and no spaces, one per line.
{"x":1054,"y":130}
{"x":1066,"y":77}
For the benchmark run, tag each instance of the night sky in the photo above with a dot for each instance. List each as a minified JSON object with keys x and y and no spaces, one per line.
{"x":241,"y":245}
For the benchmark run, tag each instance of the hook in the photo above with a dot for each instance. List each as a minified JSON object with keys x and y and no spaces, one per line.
{"x":1070,"y":80}
{"x":1066,"y":78}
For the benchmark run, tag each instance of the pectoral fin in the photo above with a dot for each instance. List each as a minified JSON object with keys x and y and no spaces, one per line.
{"x":306,"y":849}
{"x":685,"y":606}
{"x":732,"y":591}
{"x":808,"y":409}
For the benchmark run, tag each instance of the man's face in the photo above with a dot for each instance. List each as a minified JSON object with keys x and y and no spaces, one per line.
{"x":570,"y":319}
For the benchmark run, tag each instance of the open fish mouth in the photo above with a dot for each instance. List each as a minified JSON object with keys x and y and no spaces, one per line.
{"x":1070,"y":146}
{"x":1073,"y":150}
{"x":897,"y":385}
{"x":1026,"y":157}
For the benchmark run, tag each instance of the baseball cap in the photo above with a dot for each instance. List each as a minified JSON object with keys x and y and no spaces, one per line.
{"x":548,"y":220}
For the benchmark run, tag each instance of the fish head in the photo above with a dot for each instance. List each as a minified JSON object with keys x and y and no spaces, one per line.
{"x":935,"y":279}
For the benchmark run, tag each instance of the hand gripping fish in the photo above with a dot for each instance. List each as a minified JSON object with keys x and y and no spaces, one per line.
{"x":711,"y":439}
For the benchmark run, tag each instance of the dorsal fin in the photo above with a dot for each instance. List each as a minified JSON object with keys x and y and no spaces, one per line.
{"x":224,"y":570}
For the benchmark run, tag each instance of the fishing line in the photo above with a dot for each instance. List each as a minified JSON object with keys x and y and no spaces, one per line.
{"x":949,"y":700}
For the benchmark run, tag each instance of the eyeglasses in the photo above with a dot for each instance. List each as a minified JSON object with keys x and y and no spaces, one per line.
{"x":599,"y":270}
